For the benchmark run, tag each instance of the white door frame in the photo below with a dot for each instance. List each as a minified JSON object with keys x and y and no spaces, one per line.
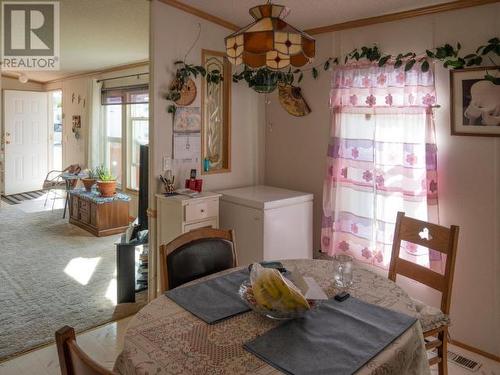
{"x":50,"y":125}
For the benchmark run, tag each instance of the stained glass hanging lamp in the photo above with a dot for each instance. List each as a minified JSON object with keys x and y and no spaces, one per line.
{"x":270,"y":41}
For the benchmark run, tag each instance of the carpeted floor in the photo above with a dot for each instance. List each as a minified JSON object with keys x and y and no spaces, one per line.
{"x":52,"y":274}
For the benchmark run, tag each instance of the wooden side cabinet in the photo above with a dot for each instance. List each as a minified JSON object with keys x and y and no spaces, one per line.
{"x":179,"y":214}
{"x":99,"y":216}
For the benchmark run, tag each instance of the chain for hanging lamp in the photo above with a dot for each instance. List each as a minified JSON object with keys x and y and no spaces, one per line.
{"x":270,"y":41}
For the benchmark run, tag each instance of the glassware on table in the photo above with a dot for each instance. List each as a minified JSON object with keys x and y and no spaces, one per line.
{"x":342,"y":273}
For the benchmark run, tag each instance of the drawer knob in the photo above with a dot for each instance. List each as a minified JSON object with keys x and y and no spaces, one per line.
{"x":202,"y":210}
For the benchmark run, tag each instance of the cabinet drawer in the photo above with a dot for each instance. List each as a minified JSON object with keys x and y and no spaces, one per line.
{"x":84,"y":205}
{"x":212,"y":223}
{"x":201,"y":210}
{"x":85,"y":217}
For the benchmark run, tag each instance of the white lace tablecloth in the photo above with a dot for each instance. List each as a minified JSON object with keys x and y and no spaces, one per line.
{"x":163,"y":338}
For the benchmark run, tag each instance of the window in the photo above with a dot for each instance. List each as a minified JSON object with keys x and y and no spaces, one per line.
{"x":138,"y":134}
{"x":126,"y":115}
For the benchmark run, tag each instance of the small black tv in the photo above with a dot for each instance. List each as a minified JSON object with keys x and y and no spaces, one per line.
{"x":142,"y":216}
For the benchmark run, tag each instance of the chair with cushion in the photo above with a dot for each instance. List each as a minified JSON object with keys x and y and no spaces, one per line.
{"x":434,"y":321}
{"x":72,"y":359}
{"x":195,"y":254}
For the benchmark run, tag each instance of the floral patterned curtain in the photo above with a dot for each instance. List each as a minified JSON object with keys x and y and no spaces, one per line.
{"x":381,"y":160}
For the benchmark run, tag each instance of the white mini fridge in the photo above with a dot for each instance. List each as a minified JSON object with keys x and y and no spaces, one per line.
{"x":269,"y":223}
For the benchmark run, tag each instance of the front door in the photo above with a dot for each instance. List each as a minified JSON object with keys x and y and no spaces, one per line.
{"x":26,"y":140}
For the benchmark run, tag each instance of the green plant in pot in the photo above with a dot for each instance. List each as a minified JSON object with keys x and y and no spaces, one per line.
{"x":90,"y":180}
{"x":106,"y":182}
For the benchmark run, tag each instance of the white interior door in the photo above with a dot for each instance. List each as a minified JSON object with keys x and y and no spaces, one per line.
{"x":26,"y":140}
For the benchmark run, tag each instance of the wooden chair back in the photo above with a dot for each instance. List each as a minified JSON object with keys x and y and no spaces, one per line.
{"x":193,"y":237}
{"x":72,"y":359}
{"x":434,"y":237}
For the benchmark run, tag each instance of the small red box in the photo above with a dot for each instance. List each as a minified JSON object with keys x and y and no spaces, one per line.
{"x":194,"y":184}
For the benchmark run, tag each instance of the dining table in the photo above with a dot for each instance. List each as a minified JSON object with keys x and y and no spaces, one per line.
{"x":164,"y":338}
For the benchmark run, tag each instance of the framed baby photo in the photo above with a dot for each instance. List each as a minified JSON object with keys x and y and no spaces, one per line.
{"x":475,"y":102}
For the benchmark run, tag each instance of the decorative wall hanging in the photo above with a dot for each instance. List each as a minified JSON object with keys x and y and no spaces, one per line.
{"x":292,"y":101}
{"x":475,"y":102}
{"x":187,"y":92}
{"x":182,"y":90}
{"x":270,"y":41}
{"x":216,"y":115}
{"x":76,"y":123}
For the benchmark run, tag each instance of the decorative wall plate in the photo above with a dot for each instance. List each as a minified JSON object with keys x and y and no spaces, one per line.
{"x":292,"y":101}
{"x":188,"y":94}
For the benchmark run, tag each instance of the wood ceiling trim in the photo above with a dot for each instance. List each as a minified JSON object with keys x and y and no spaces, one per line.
{"x":100,"y":71}
{"x":433,"y":9}
{"x":439,"y":8}
{"x":16,"y":76}
{"x":202,"y":14}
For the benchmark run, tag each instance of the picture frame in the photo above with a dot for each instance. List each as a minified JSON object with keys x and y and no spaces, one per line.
{"x":216,"y":115}
{"x":474,"y":102}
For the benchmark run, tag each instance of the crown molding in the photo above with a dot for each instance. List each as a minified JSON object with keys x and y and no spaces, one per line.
{"x":433,"y":9}
{"x":16,"y":76}
{"x":200,"y":13}
{"x":99,"y":71}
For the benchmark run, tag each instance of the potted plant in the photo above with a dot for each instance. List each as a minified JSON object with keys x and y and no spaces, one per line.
{"x":106,"y":182}
{"x":90,"y":180}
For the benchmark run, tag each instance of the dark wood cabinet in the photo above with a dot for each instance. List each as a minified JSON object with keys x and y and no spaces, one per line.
{"x":101,"y":217}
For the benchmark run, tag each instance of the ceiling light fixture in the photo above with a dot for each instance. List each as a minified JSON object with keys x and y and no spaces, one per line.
{"x":23,"y":78}
{"x":270,"y":41}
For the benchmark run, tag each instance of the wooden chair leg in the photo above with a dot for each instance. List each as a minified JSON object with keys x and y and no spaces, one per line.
{"x":62,"y":336}
{"x":443,"y":352}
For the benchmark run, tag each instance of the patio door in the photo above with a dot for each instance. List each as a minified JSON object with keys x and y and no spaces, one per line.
{"x":26,"y":140}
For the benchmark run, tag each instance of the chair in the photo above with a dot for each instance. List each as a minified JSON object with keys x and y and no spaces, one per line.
{"x":54,"y":181}
{"x":434,"y":321}
{"x":195,"y":254}
{"x":72,"y":359}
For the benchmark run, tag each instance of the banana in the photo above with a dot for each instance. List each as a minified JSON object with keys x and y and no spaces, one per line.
{"x":273,"y":291}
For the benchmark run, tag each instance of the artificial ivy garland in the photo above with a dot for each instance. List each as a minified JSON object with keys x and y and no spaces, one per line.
{"x":264,"y":80}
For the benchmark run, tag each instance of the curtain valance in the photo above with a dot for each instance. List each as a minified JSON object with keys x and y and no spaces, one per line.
{"x":374,"y":86}
{"x":137,"y":94}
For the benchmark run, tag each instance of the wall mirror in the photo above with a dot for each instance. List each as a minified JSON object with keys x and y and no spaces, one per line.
{"x":216,"y":115}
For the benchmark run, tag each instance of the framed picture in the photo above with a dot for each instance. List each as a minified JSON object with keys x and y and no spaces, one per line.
{"x":187,"y":120}
{"x":475,"y":102}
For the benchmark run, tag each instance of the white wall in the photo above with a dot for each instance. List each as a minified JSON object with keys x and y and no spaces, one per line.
{"x":173,"y":32}
{"x":469,"y":167}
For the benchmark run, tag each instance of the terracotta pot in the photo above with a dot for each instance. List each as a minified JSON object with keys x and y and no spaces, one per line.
{"x":88,"y":183}
{"x":107,"y":188}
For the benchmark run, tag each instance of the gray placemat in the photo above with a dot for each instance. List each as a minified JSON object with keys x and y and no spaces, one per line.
{"x":213,"y":300}
{"x":335,"y":338}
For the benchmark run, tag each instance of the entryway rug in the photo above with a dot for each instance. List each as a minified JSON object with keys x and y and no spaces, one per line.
{"x":52,"y":274}
{"x":19,"y":198}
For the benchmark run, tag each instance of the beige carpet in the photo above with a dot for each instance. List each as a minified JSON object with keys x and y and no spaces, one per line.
{"x":52,"y":274}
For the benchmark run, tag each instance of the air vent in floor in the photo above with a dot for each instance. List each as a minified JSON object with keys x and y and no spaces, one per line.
{"x":464,"y":362}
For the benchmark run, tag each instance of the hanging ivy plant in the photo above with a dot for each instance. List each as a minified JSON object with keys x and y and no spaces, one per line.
{"x":182,"y":75}
{"x":265,"y":80}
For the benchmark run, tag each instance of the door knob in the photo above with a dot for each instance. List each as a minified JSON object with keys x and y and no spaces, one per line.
{"x":7,"y":142}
